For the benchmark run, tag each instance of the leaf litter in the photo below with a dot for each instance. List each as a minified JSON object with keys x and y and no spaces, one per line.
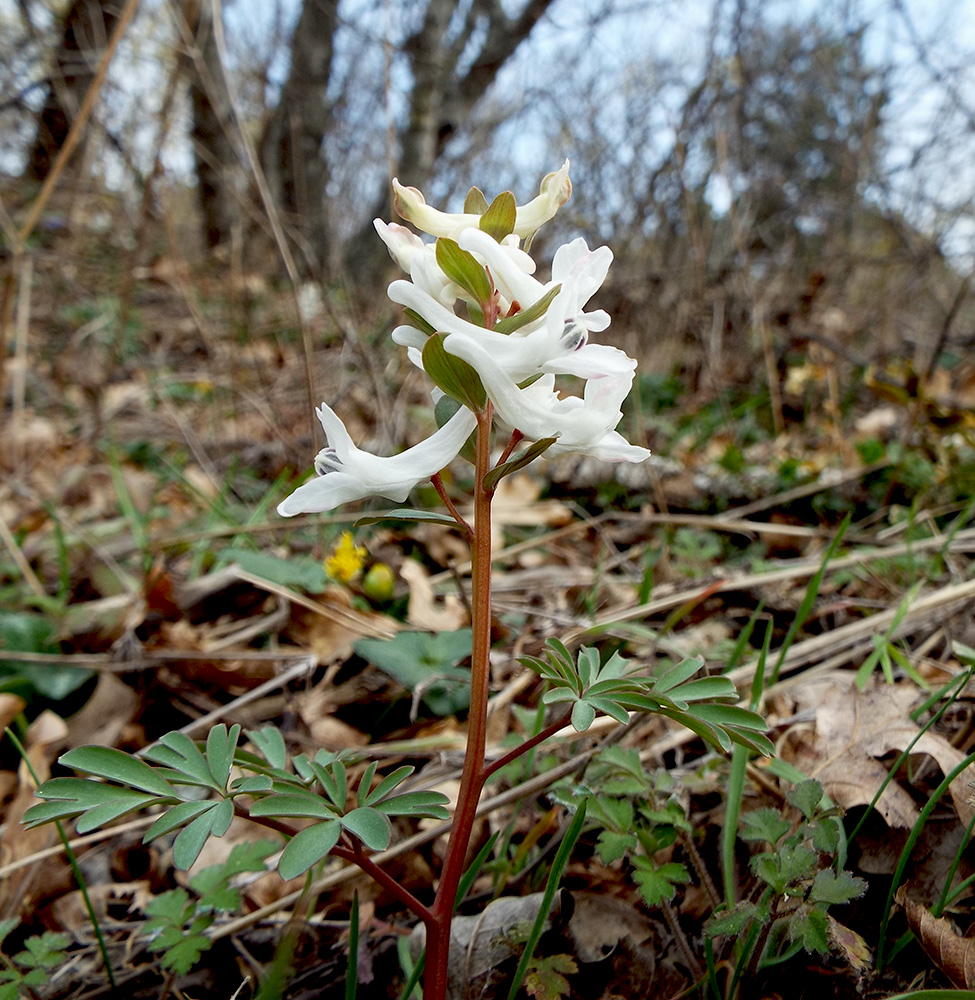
{"x":140,"y":533}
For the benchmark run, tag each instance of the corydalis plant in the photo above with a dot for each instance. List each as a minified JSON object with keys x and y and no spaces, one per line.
{"x":492,"y":338}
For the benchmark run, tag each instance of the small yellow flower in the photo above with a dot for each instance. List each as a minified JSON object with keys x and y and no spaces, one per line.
{"x":347,"y":559}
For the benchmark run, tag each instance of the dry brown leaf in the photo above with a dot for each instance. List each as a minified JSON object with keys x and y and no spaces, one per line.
{"x":853,"y":947}
{"x":953,"y":954}
{"x":316,"y":708}
{"x":45,"y":735}
{"x":425,"y":611}
{"x":11,"y":705}
{"x":853,"y":729}
{"x":111,"y":707}
{"x":516,"y":503}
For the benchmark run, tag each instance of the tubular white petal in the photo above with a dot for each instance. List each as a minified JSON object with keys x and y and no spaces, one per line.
{"x":352,"y":474}
{"x":584,"y":425}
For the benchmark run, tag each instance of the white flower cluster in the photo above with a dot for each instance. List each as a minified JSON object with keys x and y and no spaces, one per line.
{"x":517,"y":369}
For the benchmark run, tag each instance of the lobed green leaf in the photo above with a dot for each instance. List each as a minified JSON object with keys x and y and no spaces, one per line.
{"x":371,"y":826}
{"x":190,"y":840}
{"x":106,"y":762}
{"x":220,"y":746}
{"x":307,"y":848}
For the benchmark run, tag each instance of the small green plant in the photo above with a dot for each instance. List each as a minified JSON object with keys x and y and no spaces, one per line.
{"x":492,"y":339}
{"x":802,"y":874}
{"x":178,"y":923}
{"x":42,"y":955}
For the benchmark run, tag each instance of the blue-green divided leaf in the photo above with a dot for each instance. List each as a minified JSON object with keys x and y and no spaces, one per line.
{"x":179,"y":752}
{"x":370,"y":826}
{"x":498,"y":220}
{"x":190,"y":840}
{"x":270,"y":743}
{"x":583,"y":715}
{"x":292,"y":804}
{"x":509,"y":324}
{"x":453,"y":375}
{"x":428,"y":804}
{"x":94,"y":801}
{"x":106,"y":762}
{"x":250,"y":786}
{"x":178,"y":816}
{"x":407,"y":514}
{"x":27,"y":632}
{"x":464,"y":269}
{"x":677,"y":675}
{"x":221,"y":745}
{"x":609,"y":707}
{"x":731,"y":715}
{"x":386,"y":785}
{"x":702,"y":689}
{"x":365,"y":783}
{"x":308,"y":847}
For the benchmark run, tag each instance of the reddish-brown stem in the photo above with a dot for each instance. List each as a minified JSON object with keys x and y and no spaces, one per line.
{"x":452,"y":510}
{"x":523,"y":748}
{"x":516,"y":436}
{"x":472,"y":778}
{"x":356,"y":856}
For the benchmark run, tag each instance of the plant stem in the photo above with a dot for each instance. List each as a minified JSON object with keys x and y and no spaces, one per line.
{"x":523,"y":748}
{"x":472,"y":779}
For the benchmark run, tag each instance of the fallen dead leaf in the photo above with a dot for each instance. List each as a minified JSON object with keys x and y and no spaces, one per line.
{"x":853,"y":729}
{"x":425,"y":611}
{"x":953,"y":954}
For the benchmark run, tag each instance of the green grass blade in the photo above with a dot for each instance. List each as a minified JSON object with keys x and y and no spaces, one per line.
{"x":558,"y":866}
{"x":812,"y":592}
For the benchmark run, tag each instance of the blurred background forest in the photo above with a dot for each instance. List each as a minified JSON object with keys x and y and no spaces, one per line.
{"x":770,"y":175}
{"x":188,"y":265}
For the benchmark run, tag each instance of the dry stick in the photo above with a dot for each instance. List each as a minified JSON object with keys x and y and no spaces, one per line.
{"x":798,"y":492}
{"x":50,"y":182}
{"x":798,"y":569}
{"x":22,"y":328}
{"x":6,"y":535}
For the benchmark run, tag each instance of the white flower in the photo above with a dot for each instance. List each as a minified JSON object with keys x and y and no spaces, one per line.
{"x":345,"y":473}
{"x":419,"y":260}
{"x":558,"y":342}
{"x":553,"y":194}
{"x":585,"y":425}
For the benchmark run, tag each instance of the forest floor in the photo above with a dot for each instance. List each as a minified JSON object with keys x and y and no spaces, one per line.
{"x":819,"y":538}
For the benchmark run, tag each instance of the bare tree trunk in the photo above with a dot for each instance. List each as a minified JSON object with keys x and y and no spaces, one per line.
{"x":213,"y":147}
{"x":444,"y":94}
{"x":291,"y":149}
{"x":86,"y":27}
